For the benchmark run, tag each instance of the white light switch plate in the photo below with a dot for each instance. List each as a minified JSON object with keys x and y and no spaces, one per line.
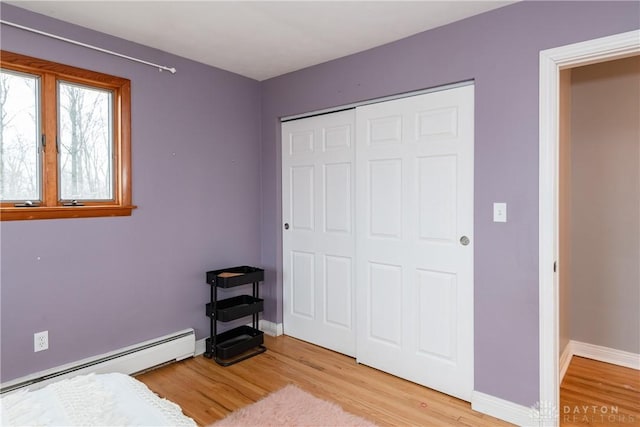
{"x":499,"y":212}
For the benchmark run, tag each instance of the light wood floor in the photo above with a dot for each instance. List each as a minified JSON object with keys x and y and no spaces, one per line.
{"x":599,"y":394}
{"x":207,"y":392}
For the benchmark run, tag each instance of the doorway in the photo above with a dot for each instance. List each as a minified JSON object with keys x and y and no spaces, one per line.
{"x":551,"y":63}
{"x":599,"y":228}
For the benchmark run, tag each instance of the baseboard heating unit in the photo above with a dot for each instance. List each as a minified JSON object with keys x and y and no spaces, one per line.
{"x":127,"y":360}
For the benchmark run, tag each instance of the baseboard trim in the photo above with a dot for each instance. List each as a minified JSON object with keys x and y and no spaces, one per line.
{"x":565,"y":360}
{"x":271,"y":328}
{"x":126,"y":360}
{"x":605,"y":354}
{"x":201,"y":346}
{"x":505,"y":410}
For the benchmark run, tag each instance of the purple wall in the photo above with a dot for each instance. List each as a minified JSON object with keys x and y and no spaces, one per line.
{"x":498,"y":49}
{"x":100,"y":284}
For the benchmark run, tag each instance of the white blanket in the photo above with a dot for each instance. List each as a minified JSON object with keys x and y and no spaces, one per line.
{"x":91,"y":400}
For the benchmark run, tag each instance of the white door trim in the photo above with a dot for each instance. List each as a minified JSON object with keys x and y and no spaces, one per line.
{"x":551,"y":62}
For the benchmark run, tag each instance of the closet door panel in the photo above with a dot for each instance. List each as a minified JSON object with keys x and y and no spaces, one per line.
{"x":318,"y":230}
{"x":414,"y":200}
{"x":338,"y":288}
{"x":337,"y":198}
{"x":301,"y":193}
{"x":302,"y":273}
{"x":384,"y":199}
{"x":437,"y":195}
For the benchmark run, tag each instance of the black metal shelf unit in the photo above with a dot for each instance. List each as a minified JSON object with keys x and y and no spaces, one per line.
{"x":234,"y":345}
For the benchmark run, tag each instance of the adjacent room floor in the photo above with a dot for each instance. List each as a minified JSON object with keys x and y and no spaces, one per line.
{"x":599,"y":394}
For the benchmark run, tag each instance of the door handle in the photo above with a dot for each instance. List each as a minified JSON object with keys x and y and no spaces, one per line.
{"x":286,"y":225}
{"x":464,"y":241}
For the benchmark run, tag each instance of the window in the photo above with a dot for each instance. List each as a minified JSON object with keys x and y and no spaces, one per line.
{"x":64,"y":141}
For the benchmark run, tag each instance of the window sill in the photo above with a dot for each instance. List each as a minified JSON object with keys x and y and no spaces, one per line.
{"x":20,"y":214}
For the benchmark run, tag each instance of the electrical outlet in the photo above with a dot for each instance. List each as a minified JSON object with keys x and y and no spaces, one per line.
{"x":40,"y":341}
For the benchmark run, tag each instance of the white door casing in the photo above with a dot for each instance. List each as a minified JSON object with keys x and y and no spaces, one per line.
{"x":318,"y":246}
{"x":551,"y":62}
{"x":414,"y":202}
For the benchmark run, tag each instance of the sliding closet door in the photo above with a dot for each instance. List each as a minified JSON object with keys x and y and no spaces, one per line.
{"x":414,"y":243}
{"x":318,"y":230}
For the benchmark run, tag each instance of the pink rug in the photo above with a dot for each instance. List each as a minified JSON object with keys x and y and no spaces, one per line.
{"x":291,"y":406}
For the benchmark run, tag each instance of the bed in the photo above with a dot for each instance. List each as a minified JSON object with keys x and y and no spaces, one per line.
{"x":91,"y":400}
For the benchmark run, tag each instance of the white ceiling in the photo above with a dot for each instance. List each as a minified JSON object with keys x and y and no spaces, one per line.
{"x":261,"y":39}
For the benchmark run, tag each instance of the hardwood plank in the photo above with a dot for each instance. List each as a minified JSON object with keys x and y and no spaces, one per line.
{"x":594,"y":393}
{"x":208,"y":392}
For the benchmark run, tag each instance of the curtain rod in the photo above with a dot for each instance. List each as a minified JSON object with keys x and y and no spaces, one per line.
{"x":99,"y":49}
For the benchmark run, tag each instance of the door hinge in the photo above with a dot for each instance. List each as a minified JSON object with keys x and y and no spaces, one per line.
{"x":555,"y":266}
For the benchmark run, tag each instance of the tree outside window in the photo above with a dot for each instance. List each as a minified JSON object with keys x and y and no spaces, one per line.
{"x":64,"y":141}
